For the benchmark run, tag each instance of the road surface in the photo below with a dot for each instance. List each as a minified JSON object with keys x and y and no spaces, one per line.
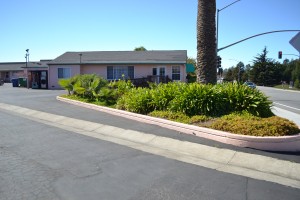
{"x":42,"y":159}
{"x":285,"y":99}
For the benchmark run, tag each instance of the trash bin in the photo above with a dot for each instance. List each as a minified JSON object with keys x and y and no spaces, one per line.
{"x":23,"y":82}
{"x":15,"y":82}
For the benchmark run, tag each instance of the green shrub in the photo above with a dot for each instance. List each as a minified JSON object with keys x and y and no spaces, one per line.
{"x":121,"y":87}
{"x":89,"y":85}
{"x":68,"y":84}
{"x":107,"y":95}
{"x":137,"y":100}
{"x":199,"y":119}
{"x":243,"y":98}
{"x":196,"y":99}
{"x":248,"y":124}
{"x":163,"y":94}
{"x":178,"y":117}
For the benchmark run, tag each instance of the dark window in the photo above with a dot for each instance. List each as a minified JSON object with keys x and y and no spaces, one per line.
{"x":131,"y":72}
{"x":120,"y":72}
{"x":110,"y":72}
{"x":64,"y":72}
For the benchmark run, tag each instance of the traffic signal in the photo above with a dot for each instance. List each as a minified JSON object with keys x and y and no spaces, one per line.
{"x":219,"y":60}
{"x":279,"y":54}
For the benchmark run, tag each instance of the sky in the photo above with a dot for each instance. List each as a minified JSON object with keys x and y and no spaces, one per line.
{"x":49,"y":28}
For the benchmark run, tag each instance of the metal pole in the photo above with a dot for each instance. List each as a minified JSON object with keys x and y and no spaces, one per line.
{"x":255,"y":36}
{"x":219,"y":10}
{"x":27,"y":74}
{"x":217,"y":34}
{"x":217,"y":29}
{"x":229,"y":5}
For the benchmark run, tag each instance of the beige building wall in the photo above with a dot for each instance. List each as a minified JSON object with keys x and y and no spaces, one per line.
{"x":100,"y":70}
{"x":140,"y":71}
{"x":53,"y":74}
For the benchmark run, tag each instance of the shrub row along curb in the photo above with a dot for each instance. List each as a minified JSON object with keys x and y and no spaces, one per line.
{"x":284,"y":143}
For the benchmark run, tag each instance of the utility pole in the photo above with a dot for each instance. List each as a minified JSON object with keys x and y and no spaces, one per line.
{"x":27,"y":74}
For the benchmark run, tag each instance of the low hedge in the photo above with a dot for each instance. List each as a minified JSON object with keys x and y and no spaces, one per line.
{"x":180,"y":117}
{"x":247,"y":124}
{"x":197,"y":99}
{"x":238,"y":123}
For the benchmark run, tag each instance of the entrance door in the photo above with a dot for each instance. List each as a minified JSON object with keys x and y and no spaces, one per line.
{"x":44,"y":79}
{"x":39,"y":80}
{"x":158,"y":73}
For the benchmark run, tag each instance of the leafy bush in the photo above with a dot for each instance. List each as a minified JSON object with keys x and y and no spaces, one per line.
{"x":180,"y":117}
{"x":199,"y":119}
{"x":196,"y":99}
{"x":162,"y":94}
{"x":89,"y":85}
{"x":137,"y":100}
{"x":121,"y":87}
{"x":243,"y":98}
{"x":68,"y":84}
{"x":247,"y":124}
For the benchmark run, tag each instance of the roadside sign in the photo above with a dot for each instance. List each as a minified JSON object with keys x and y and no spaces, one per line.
{"x":295,"y":42}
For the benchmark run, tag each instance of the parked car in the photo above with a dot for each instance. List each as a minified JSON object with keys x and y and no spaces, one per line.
{"x":250,"y":84}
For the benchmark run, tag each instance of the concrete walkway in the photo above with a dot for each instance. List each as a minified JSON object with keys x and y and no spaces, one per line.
{"x":245,"y":164}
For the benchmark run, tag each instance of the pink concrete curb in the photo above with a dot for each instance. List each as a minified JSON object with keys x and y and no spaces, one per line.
{"x":284,"y":143}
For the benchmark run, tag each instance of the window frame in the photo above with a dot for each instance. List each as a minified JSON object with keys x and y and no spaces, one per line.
{"x":158,"y":71}
{"x":113,"y":74}
{"x":176,"y":73}
{"x":64,"y":68}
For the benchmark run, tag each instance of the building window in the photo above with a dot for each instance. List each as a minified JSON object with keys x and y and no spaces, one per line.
{"x":120,"y":72}
{"x":176,"y":73}
{"x":161,"y":71}
{"x":64,"y":73}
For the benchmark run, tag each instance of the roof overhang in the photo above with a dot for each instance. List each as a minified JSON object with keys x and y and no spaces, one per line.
{"x":121,"y":63}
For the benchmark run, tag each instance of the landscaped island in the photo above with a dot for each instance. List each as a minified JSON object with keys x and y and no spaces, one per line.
{"x":227,"y":107}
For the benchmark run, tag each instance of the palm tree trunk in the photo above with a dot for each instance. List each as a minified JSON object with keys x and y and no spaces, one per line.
{"x":206,"y":69}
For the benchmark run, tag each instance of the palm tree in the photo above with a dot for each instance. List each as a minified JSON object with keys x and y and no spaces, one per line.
{"x":206,"y":42}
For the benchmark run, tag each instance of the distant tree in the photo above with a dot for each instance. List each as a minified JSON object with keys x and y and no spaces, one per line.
{"x":191,"y":60}
{"x":141,"y":48}
{"x":296,"y":70}
{"x":230,"y":74}
{"x":240,"y":68}
{"x":265,"y":71}
{"x":246,"y":74}
{"x":191,"y":76}
{"x":236,"y":73}
{"x":206,"y":70}
{"x":297,"y":84}
{"x":287,"y":71}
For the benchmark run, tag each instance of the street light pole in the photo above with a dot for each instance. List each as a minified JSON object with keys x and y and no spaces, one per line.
{"x":27,"y":60}
{"x":219,"y":10}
